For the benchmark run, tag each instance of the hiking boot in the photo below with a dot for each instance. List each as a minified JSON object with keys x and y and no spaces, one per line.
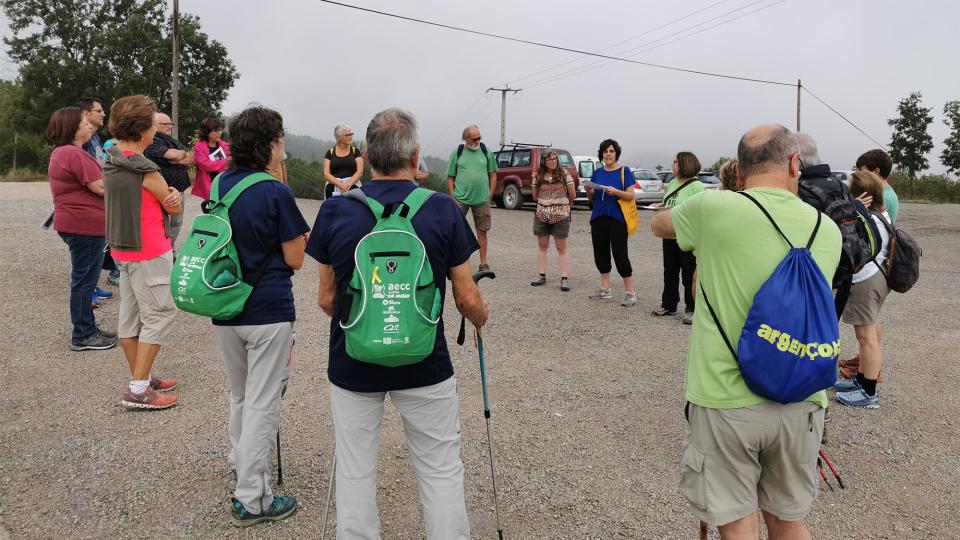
{"x":539,"y":282}
{"x":564,"y":285}
{"x":100,"y":293}
{"x":688,"y":317}
{"x":629,"y":299}
{"x":662,"y":312}
{"x":483,"y":268}
{"x":846,"y":385}
{"x":162,"y":385}
{"x":859,"y":399}
{"x":280,"y":508}
{"x":601,"y":294}
{"x":114,"y":277}
{"x":96,"y":342}
{"x":148,"y":399}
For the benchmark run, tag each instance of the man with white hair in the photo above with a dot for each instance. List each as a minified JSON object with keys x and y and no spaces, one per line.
{"x":173,"y":160}
{"x":424,"y":392}
{"x":471,"y":180}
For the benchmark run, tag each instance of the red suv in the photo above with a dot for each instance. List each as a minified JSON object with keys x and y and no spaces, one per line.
{"x":517,"y":163}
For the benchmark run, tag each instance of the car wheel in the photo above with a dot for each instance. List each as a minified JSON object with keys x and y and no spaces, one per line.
{"x":512,"y":198}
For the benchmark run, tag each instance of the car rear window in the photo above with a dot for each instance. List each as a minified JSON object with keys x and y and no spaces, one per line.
{"x":503,"y":159}
{"x":521,"y":158}
{"x":586,"y":169}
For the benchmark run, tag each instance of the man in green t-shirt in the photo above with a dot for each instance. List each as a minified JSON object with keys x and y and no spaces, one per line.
{"x":471,"y":179}
{"x":881,"y":164}
{"x":742,"y":451}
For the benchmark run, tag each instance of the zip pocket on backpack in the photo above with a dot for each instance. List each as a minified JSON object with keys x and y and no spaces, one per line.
{"x":205,"y":233}
{"x":374,"y":255}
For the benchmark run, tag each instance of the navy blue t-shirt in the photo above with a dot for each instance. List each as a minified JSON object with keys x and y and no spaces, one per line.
{"x":262,"y":218}
{"x":449,"y":242}
{"x":609,"y":205}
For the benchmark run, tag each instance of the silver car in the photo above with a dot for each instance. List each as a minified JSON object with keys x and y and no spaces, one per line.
{"x":647,"y":186}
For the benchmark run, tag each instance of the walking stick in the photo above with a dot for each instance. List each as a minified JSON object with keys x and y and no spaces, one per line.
{"x":326,"y":512}
{"x":832,"y":469}
{"x":279,"y":460}
{"x":478,"y":336}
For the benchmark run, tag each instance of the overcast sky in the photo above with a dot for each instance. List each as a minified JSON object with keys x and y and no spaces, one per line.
{"x":321,"y":64}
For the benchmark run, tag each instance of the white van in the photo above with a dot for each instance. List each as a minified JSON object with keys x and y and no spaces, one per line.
{"x":585,"y":167}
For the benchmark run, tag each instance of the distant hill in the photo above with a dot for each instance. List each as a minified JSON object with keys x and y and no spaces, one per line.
{"x":310,"y":148}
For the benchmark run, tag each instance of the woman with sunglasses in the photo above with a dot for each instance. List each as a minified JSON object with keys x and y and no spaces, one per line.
{"x":342,"y":164}
{"x":553,"y":190}
{"x":211,"y":155}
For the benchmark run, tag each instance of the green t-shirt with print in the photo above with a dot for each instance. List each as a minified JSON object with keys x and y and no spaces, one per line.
{"x":737,"y":250}
{"x":891,"y":202}
{"x":683,"y":194}
{"x":471,"y":172}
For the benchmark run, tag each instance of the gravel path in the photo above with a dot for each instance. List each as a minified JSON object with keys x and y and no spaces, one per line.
{"x":587,"y":426}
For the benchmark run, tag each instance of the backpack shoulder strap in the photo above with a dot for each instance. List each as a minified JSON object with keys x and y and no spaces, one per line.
{"x":375,"y":207}
{"x":234,"y":192}
{"x":623,"y":184}
{"x":770,"y":218}
{"x":716,"y":320}
{"x":483,"y":148}
{"x":459,"y":151}
{"x":415,"y":200}
{"x":673,"y":193}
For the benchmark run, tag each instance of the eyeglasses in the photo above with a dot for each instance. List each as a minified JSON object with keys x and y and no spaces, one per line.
{"x":165,"y":123}
{"x":551,"y":158}
{"x":98,"y":111}
{"x":474,"y":139}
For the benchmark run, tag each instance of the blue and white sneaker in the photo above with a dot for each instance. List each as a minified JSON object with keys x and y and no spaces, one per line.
{"x":846,"y":385}
{"x":859,"y":399}
{"x":280,"y":508}
{"x":100,"y":293}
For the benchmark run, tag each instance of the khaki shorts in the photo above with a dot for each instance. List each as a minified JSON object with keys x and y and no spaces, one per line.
{"x":763,"y":456}
{"x":558,"y":230}
{"x":482,"y":217}
{"x":866,"y":299}
{"x":146,"y":305}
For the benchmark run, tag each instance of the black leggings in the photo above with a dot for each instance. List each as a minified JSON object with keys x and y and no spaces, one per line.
{"x":609,"y":234}
{"x":677,"y":263}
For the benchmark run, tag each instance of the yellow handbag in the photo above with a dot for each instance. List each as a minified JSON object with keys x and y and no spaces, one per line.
{"x":629,"y":208}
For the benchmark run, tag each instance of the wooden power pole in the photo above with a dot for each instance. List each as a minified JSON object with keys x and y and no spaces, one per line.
{"x":175,"y":82}
{"x":503,"y":110}
{"x":799,"y":86}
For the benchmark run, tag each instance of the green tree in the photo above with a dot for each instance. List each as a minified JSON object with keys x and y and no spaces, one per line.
{"x":716,"y":164}
{"x":950,"y":157}
{"x":910,"y":141}
{"x":108,"y":49}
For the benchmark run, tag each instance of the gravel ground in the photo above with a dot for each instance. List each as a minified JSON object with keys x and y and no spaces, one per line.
{"x":587,"y":428}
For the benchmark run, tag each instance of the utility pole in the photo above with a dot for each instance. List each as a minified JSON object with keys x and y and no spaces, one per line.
{"x":799,"y":86}
{"x":503,"y":110}
{"x":175,"y":82}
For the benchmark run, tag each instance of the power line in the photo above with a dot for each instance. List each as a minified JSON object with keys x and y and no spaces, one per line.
{"x":646,"y":46}
{"x":556,"y":47}
{"x":612,"y":45}
{"x":836,"y":112}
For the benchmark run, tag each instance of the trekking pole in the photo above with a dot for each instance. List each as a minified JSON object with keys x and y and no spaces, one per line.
{"x":478,"y":336}
{"x":326,"y":511}
{"x":279,"y":460}
{"x":823,"y":474}
{"x":832,"y":469}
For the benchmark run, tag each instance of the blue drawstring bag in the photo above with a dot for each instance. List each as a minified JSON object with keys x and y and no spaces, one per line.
{"x":790,"y":342}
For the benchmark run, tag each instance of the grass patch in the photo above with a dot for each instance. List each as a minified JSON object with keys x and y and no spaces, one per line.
{"x":23,"y":175}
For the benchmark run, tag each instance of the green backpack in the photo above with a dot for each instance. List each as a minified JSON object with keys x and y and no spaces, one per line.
{"x":206,"y":277}
{"x":392,"y":305}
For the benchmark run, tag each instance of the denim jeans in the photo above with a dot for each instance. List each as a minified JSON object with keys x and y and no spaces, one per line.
{"x":86,"y":258}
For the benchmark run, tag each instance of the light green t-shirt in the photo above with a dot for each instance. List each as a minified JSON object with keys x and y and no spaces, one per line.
{"x":683,"y":194}
{"x":737,"y":250}
{"x":891,"y":202}
{"x":471,"y":172}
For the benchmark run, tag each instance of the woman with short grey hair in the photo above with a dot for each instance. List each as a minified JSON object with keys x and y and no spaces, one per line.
{"x":342,"y":164}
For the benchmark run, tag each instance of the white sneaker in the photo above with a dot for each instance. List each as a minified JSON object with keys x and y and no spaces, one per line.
{"x":629,"y":299}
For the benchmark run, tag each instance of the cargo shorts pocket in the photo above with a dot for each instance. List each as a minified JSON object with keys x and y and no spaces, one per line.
{"x":158,"y":291}
{"x":693,"y":483}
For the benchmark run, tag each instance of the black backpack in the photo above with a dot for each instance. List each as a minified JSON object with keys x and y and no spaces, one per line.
{"x":859,"y":233}
{"x":902,"y":268}
{"x":483,"y":148}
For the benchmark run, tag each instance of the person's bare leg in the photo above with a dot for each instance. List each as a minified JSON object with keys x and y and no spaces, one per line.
{"x":129,"y":346}
{"x":482,"y":240}
{"x":146,"y":354}
{"x":628,"y":285}
{"x":563,"y":255}
{"x":605,"y":281}
{"x":869,"y":340}
{"x":543,"y":243}
{"x":778,"y":529}
{"x":745,"y":528}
